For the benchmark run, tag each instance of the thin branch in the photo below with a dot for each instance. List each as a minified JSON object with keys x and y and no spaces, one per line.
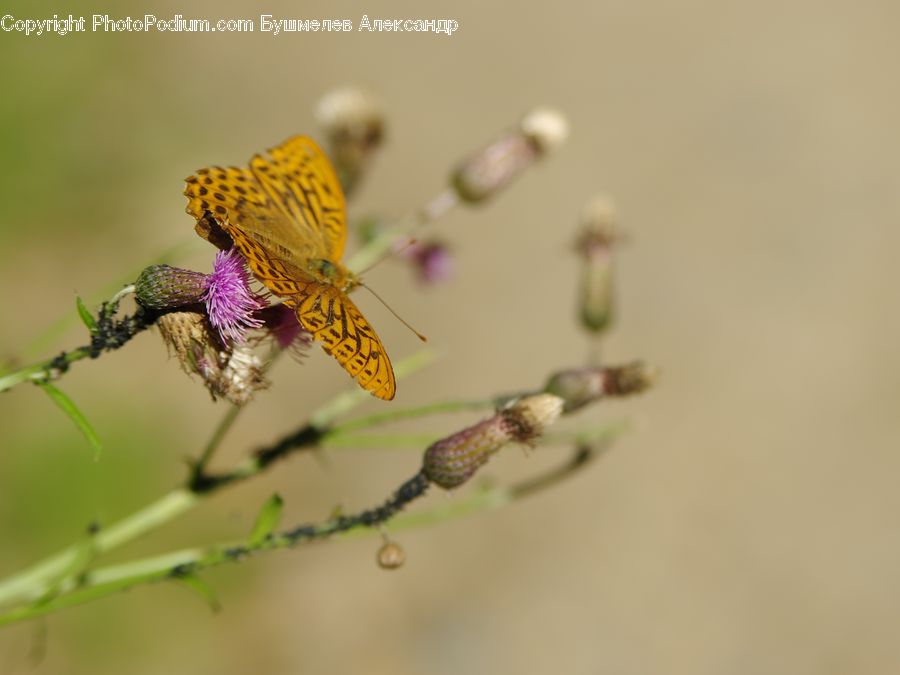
{"x":175,"y":565}
{"x":110,"y":334}
{"x":385,"y":240}
{"x":32,"y":582}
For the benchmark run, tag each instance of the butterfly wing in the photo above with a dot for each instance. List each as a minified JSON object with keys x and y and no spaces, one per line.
{"x":222,"y":199}
{"x":345,"y":334}
{"x":298,"y":177}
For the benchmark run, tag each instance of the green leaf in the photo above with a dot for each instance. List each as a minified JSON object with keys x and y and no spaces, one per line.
{"x":206,"y":591}
{"x":267,"y":520}
{"x":68,"y":407}
{"x":86,"y":317}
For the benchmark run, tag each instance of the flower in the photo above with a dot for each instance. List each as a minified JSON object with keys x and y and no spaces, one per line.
{"x":432,"y":261}
{"x":166,"y":287}
{"x":233,"y":373}
{"x":353,"y":121}
{"x":581,"y":386}
{"x":452,"y":461}
{"x":229,"y":301}
{"x":281,"y":323}
{"x":492,"y":168}
{"x":599,"y":233}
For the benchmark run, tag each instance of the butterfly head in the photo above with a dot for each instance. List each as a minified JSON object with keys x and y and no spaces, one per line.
{"x":333,"y":274}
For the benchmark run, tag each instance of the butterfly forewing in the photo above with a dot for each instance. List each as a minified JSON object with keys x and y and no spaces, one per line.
{"x":314,"y":184}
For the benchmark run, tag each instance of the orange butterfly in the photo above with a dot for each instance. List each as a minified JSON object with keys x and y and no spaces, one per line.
{"x":286,"y":216}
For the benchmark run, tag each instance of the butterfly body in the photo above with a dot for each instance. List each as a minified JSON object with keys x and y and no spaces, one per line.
{"x":286,"y":216}
{"x":333,"y":273}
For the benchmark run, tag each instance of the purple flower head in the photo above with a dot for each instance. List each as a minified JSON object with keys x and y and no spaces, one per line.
{"x":229,"y":301}
{"x":432,"y":260}
{"x":281,"y":322}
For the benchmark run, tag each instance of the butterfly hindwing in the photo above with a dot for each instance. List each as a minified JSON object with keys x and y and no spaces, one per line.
{"x":345,"y":334}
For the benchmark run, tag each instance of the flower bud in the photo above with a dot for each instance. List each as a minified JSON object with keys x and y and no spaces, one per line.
{"x":354,"y":124}
{"x":581,"y":386}
{"x":390,"y":556}
{"x":595,"y":243}
{"x":452,"y":461}
{"x":165,"y":287}
{"x":488,"y":171}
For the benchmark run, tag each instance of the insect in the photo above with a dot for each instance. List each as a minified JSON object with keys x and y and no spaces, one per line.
{"x":286,"y":215}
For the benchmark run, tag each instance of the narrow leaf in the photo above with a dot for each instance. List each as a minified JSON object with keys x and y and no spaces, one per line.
{"x":198,"y":585}
{"x":86,"y":317}
{"x":267,"y":520}
{"x":68,"y":407}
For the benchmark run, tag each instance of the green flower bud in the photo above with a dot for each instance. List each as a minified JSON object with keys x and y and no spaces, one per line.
{"x":166,"y":287}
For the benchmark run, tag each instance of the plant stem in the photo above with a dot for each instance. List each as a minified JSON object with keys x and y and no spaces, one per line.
{"x":33,"y":582}
{"x":378,"y":419}
{"x":383,"y":241}
{"x":107,"y":580}
{"x":109,"y":334}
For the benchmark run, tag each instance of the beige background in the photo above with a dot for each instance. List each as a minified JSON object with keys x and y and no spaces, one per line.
{"x":749,"y":523}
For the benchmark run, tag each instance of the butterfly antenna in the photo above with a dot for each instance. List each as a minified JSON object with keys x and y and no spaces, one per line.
{"x":391,"y":309}
{"x":387,"y":254}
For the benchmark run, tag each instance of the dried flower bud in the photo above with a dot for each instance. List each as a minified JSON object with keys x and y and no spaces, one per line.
{"x":390,"y":556}
{"x":491,"y":169}
{"x":595,"y":244}
{"x":581,"y":386}
{"x":234,"y":374}
{"x":354,"y":123}
{"x":452,"y":461}
{"x":165,"y":287}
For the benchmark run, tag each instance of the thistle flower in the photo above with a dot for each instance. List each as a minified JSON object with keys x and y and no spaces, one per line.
{"x":230,"y":304}
{"x":229,"y":301}
{"x":581,"y":386}
{"x":452,"y":461}
{"x":431,"y":260}
{"x":354,"y":124}
{"x":166,"y":287}
{"x":230,"y":373}
{"x":281,"y":323}
{"x":491,"y":169}
{"x":595,"y":243}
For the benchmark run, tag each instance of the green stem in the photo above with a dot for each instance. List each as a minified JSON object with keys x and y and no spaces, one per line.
{"x":111,"y":579}
{"x":33,"y":582}
{"x":49,"y":369}
{"x":369,"y":254}
{"x":378,"y":419}
{"x":43,"y":370}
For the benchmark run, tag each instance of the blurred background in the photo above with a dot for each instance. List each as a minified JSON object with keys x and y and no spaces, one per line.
{"x":748,"y":522}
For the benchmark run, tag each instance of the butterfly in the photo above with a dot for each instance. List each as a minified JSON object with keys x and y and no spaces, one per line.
{"x":286,"y":215}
